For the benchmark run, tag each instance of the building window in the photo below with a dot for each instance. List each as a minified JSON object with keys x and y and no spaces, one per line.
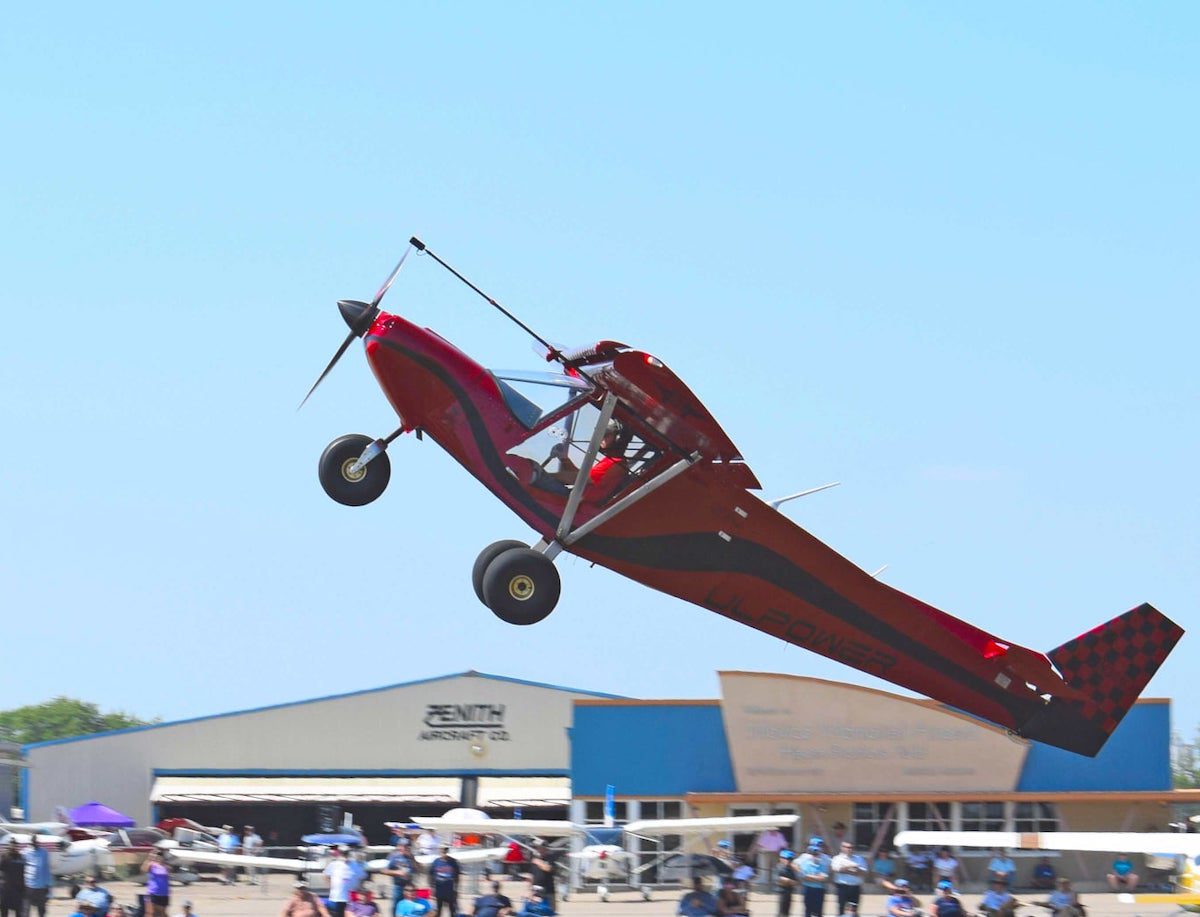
{"x":662,"y":808}
{"x":1031,"y":817}
{"x":866,"y":818}
{"x":982,"y":816}
{"x":928,"y":816}
{"x":594,"y":812}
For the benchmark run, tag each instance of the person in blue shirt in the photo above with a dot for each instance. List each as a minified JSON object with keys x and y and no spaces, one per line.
{"x":998,"y":901}
{"x":94,"y":895}
{"x":1063,"y":900}
{"x":1043,"y":874}
{"x":537,"y":905}
{"x":698,"y":902}
{"x":946,"y":904}
{"x":37,"y":879}
{"x":901,"y":903}
{"x":814,"y":873}
{"x":1122,"y":877}
{"x":410,"y":905}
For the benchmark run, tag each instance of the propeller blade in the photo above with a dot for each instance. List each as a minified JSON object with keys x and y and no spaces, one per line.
{"x":391,"y":277}
{"x":332,"y":363}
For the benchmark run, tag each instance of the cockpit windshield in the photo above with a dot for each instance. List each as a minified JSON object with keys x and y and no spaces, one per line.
{"x":534,"y":395}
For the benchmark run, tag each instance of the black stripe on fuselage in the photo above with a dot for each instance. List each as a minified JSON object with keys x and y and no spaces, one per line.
{"x":704,"y":552}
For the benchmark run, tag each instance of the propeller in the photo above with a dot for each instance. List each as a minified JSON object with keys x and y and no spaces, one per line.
{"x":358,"y":316}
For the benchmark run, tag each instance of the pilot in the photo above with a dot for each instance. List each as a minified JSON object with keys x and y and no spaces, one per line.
{"x":609,"y":469}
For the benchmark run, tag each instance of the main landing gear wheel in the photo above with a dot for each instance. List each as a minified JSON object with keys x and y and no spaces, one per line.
{"x":521,"y":586}
{"x":345,"y":485}
{"x":486,"y":556}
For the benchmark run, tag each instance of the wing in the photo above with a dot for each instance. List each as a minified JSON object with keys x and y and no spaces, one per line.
{"x":704,"y":539}
{"x":505,"y":826}
{"x":657,"y":827}
{"x":1088,"y":841}
{"x":468,"y":855}
{"x":277,"y":864}
{"x":662,"y":401}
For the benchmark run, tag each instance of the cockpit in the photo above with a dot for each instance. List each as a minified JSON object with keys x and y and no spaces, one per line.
{"x":561,"y":412}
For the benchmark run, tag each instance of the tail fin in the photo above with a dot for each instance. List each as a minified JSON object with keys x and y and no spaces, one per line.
{"x":1110,"y":665}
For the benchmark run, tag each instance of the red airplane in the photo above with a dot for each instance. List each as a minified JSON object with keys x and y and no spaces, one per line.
{"x":614,"y":459}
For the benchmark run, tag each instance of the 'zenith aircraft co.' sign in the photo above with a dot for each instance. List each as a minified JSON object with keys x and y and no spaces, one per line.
{"x":464,"y":723}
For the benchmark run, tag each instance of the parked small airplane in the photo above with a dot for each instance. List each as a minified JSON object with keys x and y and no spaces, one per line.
{"x":67,"y":858}
{"x":601,"y":861}
{"x":1150,"y":843}
{"x":614,"y":459}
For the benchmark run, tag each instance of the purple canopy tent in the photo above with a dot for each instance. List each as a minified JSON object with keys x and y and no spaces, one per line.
{"x":97,"y":815}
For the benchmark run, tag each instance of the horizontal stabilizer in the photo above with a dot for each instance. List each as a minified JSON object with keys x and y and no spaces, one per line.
{"x":1109,"y":665}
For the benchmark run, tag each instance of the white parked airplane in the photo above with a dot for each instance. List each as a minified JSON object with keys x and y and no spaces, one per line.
{"x":609,"y":863}
{"x":67,"y":858}
{"x":1187,"y":898}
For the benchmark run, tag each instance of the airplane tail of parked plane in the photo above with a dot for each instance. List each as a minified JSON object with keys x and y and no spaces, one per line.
{"x":1109,"y":666}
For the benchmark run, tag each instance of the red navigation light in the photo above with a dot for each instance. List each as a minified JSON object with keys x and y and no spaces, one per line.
{"x":993,"y":648}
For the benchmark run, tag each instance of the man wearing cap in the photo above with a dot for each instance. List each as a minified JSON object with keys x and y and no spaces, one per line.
{"x":849,"y":873}
{"x":787,"y":877}
{"x":945,"y":904}
{"x":443,"y":876}
{"x":814,"y":873}
{"x":343,"y":878}
{"x":187,"y":910}
{"x":901,"y":903}
{"x":228,"y":842}
{"x":1063,"y":901}
{"x":303,"y":903}
{"x":93,"y":894}
{"x":997,"y":901}
{"x":401,"y":867}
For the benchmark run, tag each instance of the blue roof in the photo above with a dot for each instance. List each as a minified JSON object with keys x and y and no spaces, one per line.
{"x":1137,"y":756}
{"x":649,"y":750}
{"x":317,"y":700}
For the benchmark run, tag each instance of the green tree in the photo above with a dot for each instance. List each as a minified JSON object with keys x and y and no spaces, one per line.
{"x":1185,"y":761}
{"x":60,"y":718}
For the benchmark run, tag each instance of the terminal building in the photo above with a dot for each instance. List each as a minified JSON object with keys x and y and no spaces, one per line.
{"x":848,"y":760}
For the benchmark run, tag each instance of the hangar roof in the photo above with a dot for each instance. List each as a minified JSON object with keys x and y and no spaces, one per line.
{"x":470,"y":673}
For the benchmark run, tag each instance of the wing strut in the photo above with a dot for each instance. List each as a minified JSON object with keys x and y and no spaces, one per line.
{"x":554,"y":548}
{"x":552,"y":352}
{"x":589,"y":459}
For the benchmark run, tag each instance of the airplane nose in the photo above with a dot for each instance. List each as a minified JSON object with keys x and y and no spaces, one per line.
{"x":357,"y":315}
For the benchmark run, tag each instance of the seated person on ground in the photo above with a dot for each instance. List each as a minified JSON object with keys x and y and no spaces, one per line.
{"x":998,"y":901}
{"x":901,"y":903}
{"x":536,"y":904}
{"x":410,"y":905}
{"x":1063,"y":900}
{"x":699,"y":902}
{"x":1043,"y":874}
{"x":1002,"y":867}
{"x":493,"y":904}
{"x":1122,"y":878}
{"x":945,"y":904}
{"x":731,"y":900}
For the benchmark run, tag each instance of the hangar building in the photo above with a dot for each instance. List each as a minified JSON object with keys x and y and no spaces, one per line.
{"x":409,"y":749}
{"x":847,"y":759}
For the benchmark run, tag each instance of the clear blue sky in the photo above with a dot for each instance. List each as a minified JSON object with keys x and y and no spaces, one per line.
{"x":946,"y":254}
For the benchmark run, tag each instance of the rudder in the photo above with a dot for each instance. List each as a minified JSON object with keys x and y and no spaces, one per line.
{"x":1110,"y":665}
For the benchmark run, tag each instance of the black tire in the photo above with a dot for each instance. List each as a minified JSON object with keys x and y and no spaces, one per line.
{"x":333,"y":470}
{"x":521,"y":586}
{"x":486,"y":556}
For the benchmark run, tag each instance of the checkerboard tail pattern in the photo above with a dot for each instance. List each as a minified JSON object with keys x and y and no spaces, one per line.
{"x":1112,"y":663}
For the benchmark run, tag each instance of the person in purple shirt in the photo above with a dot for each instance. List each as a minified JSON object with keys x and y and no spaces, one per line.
{"x":158,"y":885}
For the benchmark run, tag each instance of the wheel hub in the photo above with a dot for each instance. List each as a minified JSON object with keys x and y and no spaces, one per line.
{"x":349,"y":472}
{"x":521,"y":587}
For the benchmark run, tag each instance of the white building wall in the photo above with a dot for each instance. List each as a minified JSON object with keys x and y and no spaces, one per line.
{"x":387,"y":729}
